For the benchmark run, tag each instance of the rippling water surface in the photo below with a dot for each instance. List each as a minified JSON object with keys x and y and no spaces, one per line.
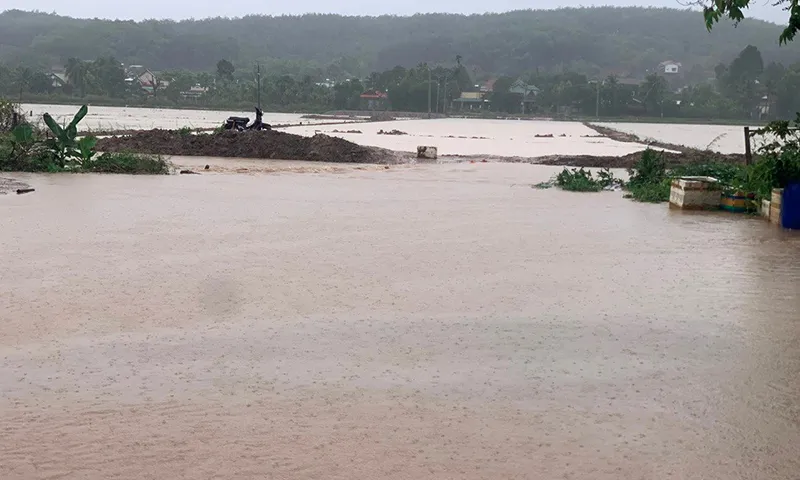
{"x":438,"y":321}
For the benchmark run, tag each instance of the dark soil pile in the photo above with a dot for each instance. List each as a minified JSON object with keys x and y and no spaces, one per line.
{"x":250,"y":144}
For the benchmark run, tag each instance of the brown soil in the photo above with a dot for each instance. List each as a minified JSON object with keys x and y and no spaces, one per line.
{"x":628,"y":161}
{"x":687,"y":156}
{"x":251,"y":144}
{"x":631,"y":138}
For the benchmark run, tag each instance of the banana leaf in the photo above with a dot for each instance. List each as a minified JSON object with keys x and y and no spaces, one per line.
{"x":86,"y":146}
{"x":23,"y":133}
{"x":78,"y":117}
{"x":53,"y":125}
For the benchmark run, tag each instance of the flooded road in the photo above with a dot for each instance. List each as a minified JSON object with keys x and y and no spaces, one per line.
{"x":439,"y":321}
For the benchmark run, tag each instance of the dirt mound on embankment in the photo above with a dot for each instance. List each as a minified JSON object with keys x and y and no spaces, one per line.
{"x":691,"y":157}
{"x":250,"y":144}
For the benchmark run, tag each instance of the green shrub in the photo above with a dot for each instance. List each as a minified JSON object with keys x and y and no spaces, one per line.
{"x":649,"y":170}
{"x":7,"y":114}
{"x":582,"y":180}
{"x":130,"y":163}
{"x":650,"y":179}
{"x":651,"y":192}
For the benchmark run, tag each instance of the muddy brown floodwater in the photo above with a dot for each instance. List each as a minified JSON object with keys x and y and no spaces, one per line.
{"x":438,"y":321}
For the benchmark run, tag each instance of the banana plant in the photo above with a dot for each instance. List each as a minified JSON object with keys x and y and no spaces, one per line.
{"x":86,"y":149}
{"x":22,"y":141}
{"x":65,"y":144}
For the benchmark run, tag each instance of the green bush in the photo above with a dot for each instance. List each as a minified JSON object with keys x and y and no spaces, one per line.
{"x":778,"y":161}
{"x":7,"y":111}
{"x":651,"y":169}
{"x":651,"y":192}
{"x":130,"y":163}
{"x":582,"y":180}
{"x":650,"y":179}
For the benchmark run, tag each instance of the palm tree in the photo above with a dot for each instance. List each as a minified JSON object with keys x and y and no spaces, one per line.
{"x":22,"y":79}
{"x":77,"y":74}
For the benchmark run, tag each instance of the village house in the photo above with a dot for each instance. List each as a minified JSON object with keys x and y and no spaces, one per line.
{"x":374,"y":100}
{"x":58,"y":79}
{"x":670,"y":67}
{"x":146,"y":79}
{"x":195,"y":91}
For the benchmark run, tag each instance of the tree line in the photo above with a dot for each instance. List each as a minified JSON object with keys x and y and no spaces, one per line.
{"x":596,"y":42}
{"x":745,"y":88}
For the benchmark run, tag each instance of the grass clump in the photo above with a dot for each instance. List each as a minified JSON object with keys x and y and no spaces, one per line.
{"x":582,"y":180}
{"x":128,"y":163}
{"x":648,"y":178}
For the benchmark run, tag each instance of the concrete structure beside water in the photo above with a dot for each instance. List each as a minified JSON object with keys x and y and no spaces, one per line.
{"x":695,"y":193}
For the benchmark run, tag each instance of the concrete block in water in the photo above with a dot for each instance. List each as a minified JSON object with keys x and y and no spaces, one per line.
{"x":695,"y":193}
{"x":430,"y":153}
{"x":765,"y":206}
{"x":775,"y":206}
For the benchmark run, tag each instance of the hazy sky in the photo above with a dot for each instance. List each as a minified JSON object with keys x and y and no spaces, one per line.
{"x":179,"y":9}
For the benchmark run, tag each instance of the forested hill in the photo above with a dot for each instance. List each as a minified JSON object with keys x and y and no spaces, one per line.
{"x":588,"y":40}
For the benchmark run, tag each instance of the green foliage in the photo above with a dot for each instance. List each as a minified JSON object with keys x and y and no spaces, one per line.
{"x":185,"y":131}
{"x":25,"y":149}
{"x":650,"y":178}
{"x":656,"y":192}
{"x":7,"y":115}
{"x":129,"y":163}
{"x":715,"y":10}
{"x":653,"y":93}
{"x":650,"y":169}
{"x":65,"y":144}
{"x":225,"y":70}
{"x":86,"y":148}
{"x":582,"y":180}
{"x":342,"y":47}
{"x":778,"y":161}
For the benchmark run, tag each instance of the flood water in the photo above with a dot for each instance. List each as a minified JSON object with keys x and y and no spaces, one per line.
{"x":436,"y":321}
{"x":452,"y":136}
{"x":460,"y":136}
{"x":137,"y":118}
{"x":718,"y":138}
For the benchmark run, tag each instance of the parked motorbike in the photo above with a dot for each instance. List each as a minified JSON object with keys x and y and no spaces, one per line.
{"x":240,"y":124}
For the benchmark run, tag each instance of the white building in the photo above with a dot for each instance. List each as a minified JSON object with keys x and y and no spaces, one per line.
{"x":669,"y":67}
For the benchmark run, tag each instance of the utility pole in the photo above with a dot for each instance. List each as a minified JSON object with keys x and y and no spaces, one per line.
{"x":258,"y":86}
{"x":429,"y":90}
{"x":597,"y":105}
{"x":438,"y":90}
{"x":444,"y":103}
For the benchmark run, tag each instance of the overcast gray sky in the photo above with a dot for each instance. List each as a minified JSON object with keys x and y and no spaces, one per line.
{"x":180,"y":9}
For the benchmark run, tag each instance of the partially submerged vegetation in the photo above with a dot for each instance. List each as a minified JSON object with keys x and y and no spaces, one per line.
{"x":26,"y":148}
{"x":777,"y":164}
{"x":582,"y":180}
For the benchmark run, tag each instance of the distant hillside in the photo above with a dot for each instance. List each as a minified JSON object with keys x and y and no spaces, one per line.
{"x":588,"y":40}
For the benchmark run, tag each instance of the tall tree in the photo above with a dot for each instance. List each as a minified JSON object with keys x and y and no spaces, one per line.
{"x":78,"y":74}
{"x":653,"y":93}
{"x":225,"y":70}
{"x":109,"y":76}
